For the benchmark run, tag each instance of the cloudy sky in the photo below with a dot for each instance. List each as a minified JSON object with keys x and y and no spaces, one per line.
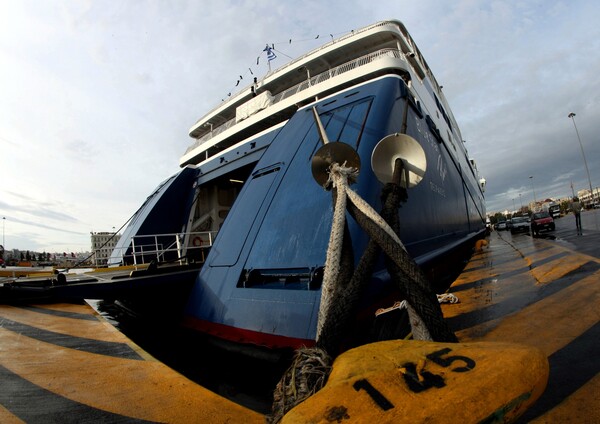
{"x":96,"y":97}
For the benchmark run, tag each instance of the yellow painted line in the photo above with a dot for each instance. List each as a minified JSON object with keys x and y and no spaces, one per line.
{"x":493,"y":289}
{"x":474,"y":276}
{"x":558,"y":268}
{"x":91,"y":329}
{"x":550,"y":323}
{"x":563,"y":248}
{"x":583,"y":406}
{"x":145,"y":390}
{"x":78,"y":308}
{"x":23,"y":273}
{"x":119,"y":268}
{"x":7,"y":418}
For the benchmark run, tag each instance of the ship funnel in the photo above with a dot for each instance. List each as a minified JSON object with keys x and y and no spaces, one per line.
{"x":403,"y":147}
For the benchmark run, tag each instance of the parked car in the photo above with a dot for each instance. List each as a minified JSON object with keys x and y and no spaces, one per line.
{"x":541,"y":221}
{"x":520,"y":224}
{"x":500,"y":226}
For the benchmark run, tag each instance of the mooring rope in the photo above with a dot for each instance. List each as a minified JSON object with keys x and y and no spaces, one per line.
{"x":339,"y":180}
{"x":418,"y":328}
{"x":447,"y":298}
{"x":410,"y":279}
{"x":403,"y":270}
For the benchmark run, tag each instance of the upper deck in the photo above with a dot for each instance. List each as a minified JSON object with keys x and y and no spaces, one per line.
{"x":381,"y":48}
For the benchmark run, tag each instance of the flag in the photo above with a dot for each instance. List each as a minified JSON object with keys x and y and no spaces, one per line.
{"x":270,"y":53}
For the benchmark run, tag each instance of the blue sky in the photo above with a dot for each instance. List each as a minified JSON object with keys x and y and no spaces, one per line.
{"x":96,"y":97}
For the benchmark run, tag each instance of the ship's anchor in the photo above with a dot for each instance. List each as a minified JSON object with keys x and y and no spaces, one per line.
{"x":399,"y":162}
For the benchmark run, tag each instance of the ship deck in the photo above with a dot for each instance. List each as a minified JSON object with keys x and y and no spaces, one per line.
{"x":61,"y":362}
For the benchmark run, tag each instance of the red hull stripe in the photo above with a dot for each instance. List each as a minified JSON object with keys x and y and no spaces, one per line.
{"x":241,"y":335}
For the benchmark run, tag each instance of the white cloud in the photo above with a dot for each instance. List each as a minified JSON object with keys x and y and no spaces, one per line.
{"x":97,"y":97}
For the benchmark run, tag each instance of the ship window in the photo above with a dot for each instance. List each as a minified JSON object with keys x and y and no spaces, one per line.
{"x":295,"y":229}
{"x":347,"y":123}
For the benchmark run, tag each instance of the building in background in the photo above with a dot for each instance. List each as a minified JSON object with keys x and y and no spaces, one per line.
{"x":103,"y":243}
{"x":586,"y":198}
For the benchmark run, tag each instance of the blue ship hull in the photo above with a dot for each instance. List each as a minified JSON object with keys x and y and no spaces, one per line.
{"x":261,"y":280}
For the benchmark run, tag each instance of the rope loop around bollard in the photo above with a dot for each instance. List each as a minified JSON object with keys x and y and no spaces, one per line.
{"x":427,"y":322}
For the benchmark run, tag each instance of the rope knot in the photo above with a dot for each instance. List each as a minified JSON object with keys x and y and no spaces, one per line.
{"x":341,"y":175}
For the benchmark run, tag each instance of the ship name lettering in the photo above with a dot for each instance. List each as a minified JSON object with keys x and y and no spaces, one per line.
{"x":437,"y":189}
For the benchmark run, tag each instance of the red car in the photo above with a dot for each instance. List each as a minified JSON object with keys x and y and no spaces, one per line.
{"x":541,"y":221}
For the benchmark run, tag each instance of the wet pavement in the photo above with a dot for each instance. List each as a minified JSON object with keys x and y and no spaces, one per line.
{"x":538,"y":291}
{"x":543,"y":292}
{"x":566,"y":233}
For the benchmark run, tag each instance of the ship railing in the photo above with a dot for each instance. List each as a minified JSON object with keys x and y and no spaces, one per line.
{"x":172,"y":247}
{"x":304,"y":85}
{"x":299,"y":58}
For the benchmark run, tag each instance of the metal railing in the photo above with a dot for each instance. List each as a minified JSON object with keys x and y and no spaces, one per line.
{"x":304,"y":85}
{"x":172,"y":247}
{"x":299,"y":58}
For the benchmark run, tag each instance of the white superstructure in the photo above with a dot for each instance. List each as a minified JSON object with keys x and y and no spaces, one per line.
{"x":381,"y":48}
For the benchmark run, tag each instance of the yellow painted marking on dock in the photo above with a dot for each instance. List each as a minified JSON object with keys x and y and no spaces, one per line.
{"x":7,"y":418}
{"x":558,"y":268}
{"x":560,"y":313}
{"x":13,"y":273}
{"x":77,"y":308}
{"x":146,"y":390}
{"x":71,"y":326}
{"x":550,"y":323}
{"x":487,"y":268}
{"x":474,"y":276}
{"x":118,"y":268}
{"x":583,"y":406}
{"x":495,"y":289}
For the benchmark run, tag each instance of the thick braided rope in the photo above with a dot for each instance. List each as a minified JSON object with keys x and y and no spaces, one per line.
{"x":412,"y":282}
{"x":338,"y":176}
{"x":366,"y":209}
{"x":418,"y":327}
{"x":447,"y":298}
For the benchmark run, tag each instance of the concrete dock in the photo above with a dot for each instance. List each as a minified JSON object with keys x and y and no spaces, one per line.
{"x":543,"y":292}
{"x":66,"y":363}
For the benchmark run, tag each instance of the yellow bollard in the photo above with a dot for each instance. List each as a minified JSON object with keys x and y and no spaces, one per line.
{"x":415,"y":381}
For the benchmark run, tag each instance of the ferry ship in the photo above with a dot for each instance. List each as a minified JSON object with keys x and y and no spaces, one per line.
{"x":249,"y":205}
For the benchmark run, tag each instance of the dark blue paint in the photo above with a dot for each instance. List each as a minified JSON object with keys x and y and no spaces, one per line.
{"x":165,"y":212}
{"x":282,"y":219}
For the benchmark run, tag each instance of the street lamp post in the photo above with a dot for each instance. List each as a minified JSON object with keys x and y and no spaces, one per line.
{"x":3,"y":242}
{"x":533,"y":187}
{"x":572,"y":116}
